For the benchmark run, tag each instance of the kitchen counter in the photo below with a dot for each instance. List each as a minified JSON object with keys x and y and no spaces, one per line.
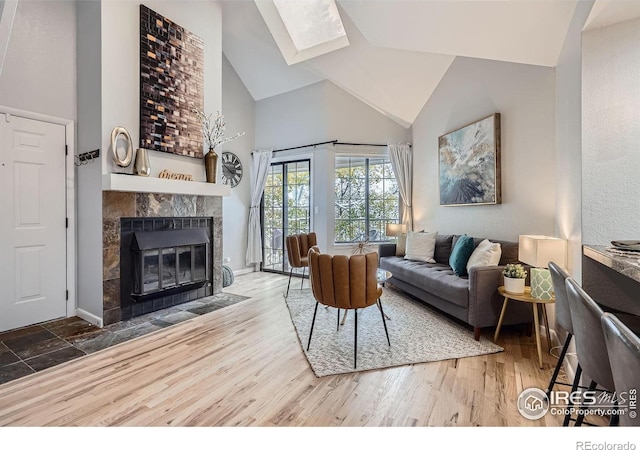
{"x":611,"y":279}
{"x":628,"y":266}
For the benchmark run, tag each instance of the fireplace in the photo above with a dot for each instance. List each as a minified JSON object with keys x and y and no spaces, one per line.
{"x":168,"y":261}
{"x":164,"y":262}
{"x":126,"y":213}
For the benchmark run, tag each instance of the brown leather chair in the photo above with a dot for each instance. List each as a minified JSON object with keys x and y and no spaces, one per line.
{"x":345,"y":282}
{"x":298,"y":246}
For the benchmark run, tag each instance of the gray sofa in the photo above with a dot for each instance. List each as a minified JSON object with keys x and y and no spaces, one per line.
{"x":473,"y":299}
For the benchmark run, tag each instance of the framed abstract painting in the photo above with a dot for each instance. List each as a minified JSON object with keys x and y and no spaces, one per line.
{"x":171,"y":85}
{"x":469,"y":164}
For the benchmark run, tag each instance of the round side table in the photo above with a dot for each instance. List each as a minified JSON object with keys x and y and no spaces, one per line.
{"x":535,"y":302}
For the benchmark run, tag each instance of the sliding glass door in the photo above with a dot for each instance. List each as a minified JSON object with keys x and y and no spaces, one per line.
{"x":286,"y":210}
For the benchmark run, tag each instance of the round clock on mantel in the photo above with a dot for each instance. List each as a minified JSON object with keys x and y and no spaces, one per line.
{"x":231,"y":169}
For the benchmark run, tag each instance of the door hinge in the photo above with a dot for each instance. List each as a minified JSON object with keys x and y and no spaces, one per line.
{"x":66,"y":222}
{"x":66,"y":150}
{"x":67,"y":298}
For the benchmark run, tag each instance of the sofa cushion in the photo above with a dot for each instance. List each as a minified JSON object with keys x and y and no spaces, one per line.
{"x":421,"y":246}
{"x":444,"y":243}
{"x":437,"y":279}
{"x":460,"y":254}
{"x":401,"y":244}
{"x":486,"y":254}
{"x":509,"y":249}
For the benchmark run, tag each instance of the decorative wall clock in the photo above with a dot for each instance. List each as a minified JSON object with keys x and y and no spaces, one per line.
{"x":231,"y":169}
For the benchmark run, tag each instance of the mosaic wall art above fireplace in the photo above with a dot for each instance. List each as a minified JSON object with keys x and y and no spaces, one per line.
{"x":171,"y":84}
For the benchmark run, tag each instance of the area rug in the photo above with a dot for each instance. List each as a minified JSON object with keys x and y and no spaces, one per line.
{"x":418,"y":334}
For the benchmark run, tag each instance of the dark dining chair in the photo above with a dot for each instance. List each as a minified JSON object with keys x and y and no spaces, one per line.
{"x":563,"y":317}
{"x":623,"y":348}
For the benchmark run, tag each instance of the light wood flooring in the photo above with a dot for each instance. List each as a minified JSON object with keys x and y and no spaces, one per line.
{"x":243,"y":366}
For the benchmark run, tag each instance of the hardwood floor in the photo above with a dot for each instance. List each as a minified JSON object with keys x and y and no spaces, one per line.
{"x":243,"y":365}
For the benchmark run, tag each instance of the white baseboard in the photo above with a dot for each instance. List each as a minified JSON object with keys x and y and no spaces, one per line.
{"x":243,"y":271}
{"x":97,"y":321}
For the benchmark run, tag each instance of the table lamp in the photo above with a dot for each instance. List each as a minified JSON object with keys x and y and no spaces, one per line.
{"x":537,"y":251}
{"x":395,"y":229}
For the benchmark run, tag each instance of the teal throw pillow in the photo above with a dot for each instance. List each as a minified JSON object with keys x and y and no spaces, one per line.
{"x":460,"y":255}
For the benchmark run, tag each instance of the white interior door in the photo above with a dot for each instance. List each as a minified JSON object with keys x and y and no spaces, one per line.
{"x":32,"y":222}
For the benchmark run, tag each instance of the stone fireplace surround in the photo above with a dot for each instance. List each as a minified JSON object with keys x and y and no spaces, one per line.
{"x":117,"y":204}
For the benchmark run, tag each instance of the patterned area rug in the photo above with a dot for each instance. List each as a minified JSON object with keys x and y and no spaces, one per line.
{"x":418,"y":334}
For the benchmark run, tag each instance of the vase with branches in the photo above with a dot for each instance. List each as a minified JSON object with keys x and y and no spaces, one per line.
{"x":213,"y":134}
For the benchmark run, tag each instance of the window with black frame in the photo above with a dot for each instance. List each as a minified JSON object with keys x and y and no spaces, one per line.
{"x":286,"y":209}
{"x":366,"y":198}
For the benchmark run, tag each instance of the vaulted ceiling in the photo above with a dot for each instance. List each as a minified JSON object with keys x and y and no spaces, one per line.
{"x":398,"y":50}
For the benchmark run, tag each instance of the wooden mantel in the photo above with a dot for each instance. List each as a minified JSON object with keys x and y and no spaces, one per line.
{"x":134,"y":183}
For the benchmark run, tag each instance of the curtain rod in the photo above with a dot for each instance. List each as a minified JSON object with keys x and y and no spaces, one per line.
{"x":368,"y":145}
{"x":334,"y":142}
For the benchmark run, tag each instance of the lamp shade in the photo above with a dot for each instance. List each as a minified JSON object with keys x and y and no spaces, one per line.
{"x":537,"y":250}
{"x":395,"y":229}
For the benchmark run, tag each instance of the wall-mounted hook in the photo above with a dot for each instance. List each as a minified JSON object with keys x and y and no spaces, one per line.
{"x":86,"y":158}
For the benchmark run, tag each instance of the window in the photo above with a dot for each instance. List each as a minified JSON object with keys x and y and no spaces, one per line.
{"x":366,"y":198}
{"x":312,"y":22}
{"x":286,"y":209}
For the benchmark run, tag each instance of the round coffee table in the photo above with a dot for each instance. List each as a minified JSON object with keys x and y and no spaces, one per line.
{"x":382,"y":276}
{"x":536,"y":302}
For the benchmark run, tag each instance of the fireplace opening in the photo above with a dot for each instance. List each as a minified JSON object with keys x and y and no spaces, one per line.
{"x":165,"y":261}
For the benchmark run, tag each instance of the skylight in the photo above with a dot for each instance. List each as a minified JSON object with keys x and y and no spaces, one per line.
{"x":310,"y":22}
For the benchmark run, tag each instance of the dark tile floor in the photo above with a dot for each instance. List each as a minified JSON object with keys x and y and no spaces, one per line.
{"x":31,"y":349}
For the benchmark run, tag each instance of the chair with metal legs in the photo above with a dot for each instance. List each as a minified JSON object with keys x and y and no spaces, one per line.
{"x":345,"y":282}
{"x":623,"y":347}
{"x":298,"y":246}
{"x":563,"y":318}
{"x":591,"y":348}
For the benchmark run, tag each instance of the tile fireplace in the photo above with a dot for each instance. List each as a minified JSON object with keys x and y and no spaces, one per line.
{"x":159,"y":250}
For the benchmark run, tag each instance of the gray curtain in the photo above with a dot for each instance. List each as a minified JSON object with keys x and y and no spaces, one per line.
{"x":261,"y":161}
{"x":401,"y":157}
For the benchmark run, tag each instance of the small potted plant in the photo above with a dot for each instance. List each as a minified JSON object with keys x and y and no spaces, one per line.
{"x":514,"y":275}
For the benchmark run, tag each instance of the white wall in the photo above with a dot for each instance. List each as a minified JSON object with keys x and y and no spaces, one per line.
{"x":89,"y":185}
{"x":238,"y":108}
{"x":39,"y":72}
{"x":611,"y":133}
{"x":351,"y":120}
{"x":121,"y":72}
{"x":569,"y":140}
{"x":317,"y":113}
{"x":293,"y":118}
{"x":525,"y":97}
